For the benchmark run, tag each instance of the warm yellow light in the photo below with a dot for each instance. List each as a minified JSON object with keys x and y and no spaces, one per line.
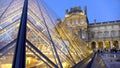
{"x":6,"y":66}
{"x":17,"y":25}
{"x":66,"y":65}
{"x":30,"y":62}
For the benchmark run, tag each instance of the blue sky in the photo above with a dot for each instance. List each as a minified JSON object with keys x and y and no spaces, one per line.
{"x":101,"y":10}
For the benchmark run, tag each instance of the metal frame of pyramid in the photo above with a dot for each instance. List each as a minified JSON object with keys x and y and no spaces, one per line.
{"x":27,"y":28}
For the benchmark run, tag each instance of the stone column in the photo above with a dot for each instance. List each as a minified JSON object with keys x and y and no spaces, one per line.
{"x":119,"y":44}
{"x":111,"y":44}
{"x":96,"y":45}
{"x":104,"y":46}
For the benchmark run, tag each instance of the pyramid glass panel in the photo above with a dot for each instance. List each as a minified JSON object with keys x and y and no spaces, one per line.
{"x":47,"y":44}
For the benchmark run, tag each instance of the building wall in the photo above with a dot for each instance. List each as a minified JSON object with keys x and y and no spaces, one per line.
{"x":105,"y":33}
{"x":101,"y":34}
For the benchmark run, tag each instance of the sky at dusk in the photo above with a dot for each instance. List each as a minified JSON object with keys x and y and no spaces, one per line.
{"x":101,"y":10}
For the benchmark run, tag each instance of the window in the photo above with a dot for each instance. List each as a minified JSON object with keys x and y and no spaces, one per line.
{"x":74,"y":22}
{"x":119,"y":33}
{"x":93,"y":35}
{"x":100,"y":34}
{"x":106,"y":34}
{"x":113,"y":33}
{"x":68,"y":22}
{"x":93,"y":45}
{"x":83,"y":35}
{"x":82,"y":21}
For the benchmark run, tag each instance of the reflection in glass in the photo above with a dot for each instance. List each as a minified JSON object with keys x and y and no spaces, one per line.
{"x":45,"y":40}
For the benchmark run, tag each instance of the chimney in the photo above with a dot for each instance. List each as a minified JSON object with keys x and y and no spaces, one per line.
{"x":79,"y":8}
{"x":95,"y":21}
{"x":66,"y":11}
{"x":59,"y":20}
{"x":72,"y":9}
{"x":85,"y":10}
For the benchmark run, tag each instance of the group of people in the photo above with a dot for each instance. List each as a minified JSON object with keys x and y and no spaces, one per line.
{"x":113,"y":50}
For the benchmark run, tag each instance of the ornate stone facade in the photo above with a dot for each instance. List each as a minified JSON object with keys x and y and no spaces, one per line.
{"x":98,"y":35}
{"x":104,"y":35}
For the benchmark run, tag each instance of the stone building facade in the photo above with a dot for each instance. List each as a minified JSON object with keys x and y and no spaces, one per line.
{"x":98,"y":35}
{"x":104,"y":34}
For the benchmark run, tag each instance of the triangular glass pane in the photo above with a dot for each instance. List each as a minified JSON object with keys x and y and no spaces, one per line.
{"x":6,"y":56}
{"x":41,"y":33}
{"x":39,"y":40}
{"x":10,"y":14}
{"x":9,"y":21}
{"x":6,"y":4}
{"x":34,"y":59}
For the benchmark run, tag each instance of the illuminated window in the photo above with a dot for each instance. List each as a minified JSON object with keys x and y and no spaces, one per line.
{"x":93,"y":35}
{"x":83,"y":33}
{"x":68,"y":23}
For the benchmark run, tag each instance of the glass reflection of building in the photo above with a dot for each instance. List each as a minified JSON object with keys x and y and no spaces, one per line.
{"x":45,"y":45}
{"x":99,"y":35}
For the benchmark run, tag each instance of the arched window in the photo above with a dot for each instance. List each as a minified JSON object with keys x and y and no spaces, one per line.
{"x":113,"y":33}
{"x":92,"y":34}
{"x":100,"y":35}
{"x":93,"y":45}
{"x":107,"y":44}
{"x":100,"y":45}
{"x":106,"y":34}
{"x":83,"y":35}
{"x":116,"y":44}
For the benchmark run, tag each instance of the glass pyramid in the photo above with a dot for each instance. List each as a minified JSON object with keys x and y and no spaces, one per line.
{"x":45,"y":46}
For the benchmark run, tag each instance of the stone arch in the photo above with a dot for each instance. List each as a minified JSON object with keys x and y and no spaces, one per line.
{"x":93,"y":45}
{"x":100,"y":45}
{"x":107,"y":44}
{"x":116,"y":44}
